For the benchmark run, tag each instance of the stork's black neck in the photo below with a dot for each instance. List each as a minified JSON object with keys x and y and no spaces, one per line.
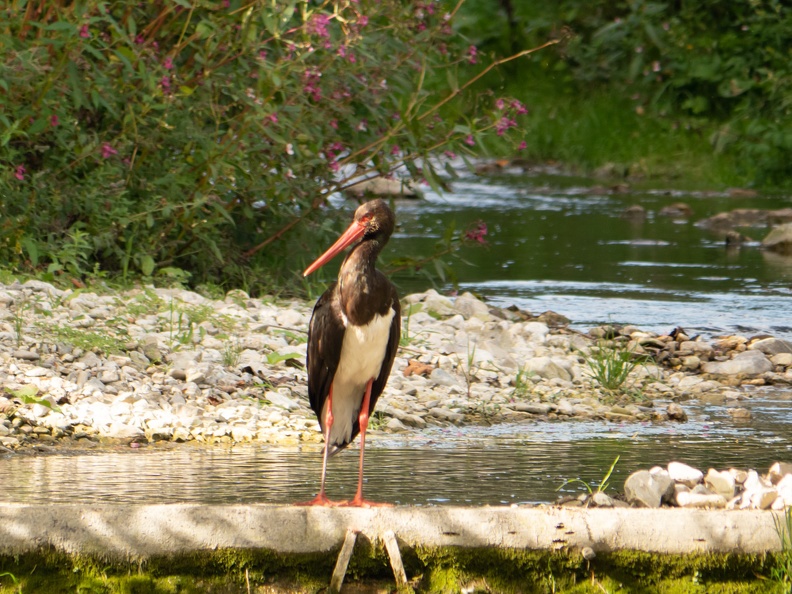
{"x":364,"y":291}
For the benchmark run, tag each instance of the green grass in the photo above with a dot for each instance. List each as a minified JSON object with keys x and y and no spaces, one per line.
{"x":585,"y":129}
{"x":610,"y":366}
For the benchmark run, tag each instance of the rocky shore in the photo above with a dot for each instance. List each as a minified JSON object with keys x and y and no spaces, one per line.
{"x":155,"y":364}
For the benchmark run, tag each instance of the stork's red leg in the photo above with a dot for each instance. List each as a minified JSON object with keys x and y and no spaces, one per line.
{"x":321,"y":498}
{"x":363,"y":419}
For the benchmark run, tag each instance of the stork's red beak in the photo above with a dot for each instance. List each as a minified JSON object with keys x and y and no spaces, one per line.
{"x":351,"y":235}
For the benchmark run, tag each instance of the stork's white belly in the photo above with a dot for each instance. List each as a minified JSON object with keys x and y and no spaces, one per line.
{"x":361,"y":360}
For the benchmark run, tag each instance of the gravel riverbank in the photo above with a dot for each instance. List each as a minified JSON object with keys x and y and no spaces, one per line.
{"x":156,"y":364}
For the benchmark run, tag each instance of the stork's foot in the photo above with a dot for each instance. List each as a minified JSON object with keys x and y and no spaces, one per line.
{"x":360,"y":502}
{"x":321,"y":499}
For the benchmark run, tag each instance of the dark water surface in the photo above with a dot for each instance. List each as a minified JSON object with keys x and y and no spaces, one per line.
{"x":554,"y":246}
{"x":496,"y":465}
{"x":551,"y":246}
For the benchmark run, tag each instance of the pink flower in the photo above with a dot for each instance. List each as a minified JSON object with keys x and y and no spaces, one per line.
{"x":318,"y":25}
{"x":500,"y":103}
{"x":108,"y":151}
{"x":140,"y":39}
{"x":273,"y":117}
{"x":395,"y":150}
{"x":450,"y":154}
{"x":165,"y":84}
{"x":168,"y":63}
{"x":504,"y":124}
{"x":478,"y":233}
{"x":472,"y":53}
{"x":20,"y":172}
{"x":523,"y":146}
{"x":334,"y":166}
{"x":521,"y":109}
{"x":469,"y":140}
{"x":333,"y":124}
{"x":84,"y":33}
{"x":363,"y":20}
{"x":262,"y":55}
{"x":54,"y":121}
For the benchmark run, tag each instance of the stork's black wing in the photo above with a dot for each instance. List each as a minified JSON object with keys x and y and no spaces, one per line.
{"x":325,"y":339}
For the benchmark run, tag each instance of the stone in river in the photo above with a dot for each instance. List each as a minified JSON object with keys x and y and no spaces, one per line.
{"x":778,"y":471}
{"x":682,"y":473}
{"x":645,"y":489}
{"x":771,"y":346}
{"x":676,"y":413}
{"x":721,"y":483}
{"x":747,"y":362}
{"x":700,"y":500}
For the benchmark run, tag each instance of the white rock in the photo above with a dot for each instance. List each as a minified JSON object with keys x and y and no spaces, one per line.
{"x":281,"y":400}
{"x":682,"y":473}
{"x":747,"y":362}
{"x":547,"y":368}
{"x":721,"y":483}
{"x":690,"y":499}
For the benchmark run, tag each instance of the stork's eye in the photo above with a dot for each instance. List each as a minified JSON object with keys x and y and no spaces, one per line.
{"x":365,"y":218}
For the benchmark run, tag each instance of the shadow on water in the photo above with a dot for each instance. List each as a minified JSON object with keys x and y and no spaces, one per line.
{"x":501,"y":464}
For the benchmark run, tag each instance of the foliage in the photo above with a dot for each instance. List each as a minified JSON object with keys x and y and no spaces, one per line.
{"x":611,"y":366}
{"x":439,"y":263}
{"x":188,"y":140}
{"x":782,"y":572}
{"x":688,"y":64}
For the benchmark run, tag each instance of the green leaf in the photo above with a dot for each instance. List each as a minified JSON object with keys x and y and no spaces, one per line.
{"x":275,"y":358}
{"x":147,"y":265}
{"x":38,"y":125}
{"x":61,"y":26}
{"x":440,"y":269}
{"x":77,"y":96}
{"x":204,"y":30}
{"x":31,"y":247}
{"x":28,"y":391}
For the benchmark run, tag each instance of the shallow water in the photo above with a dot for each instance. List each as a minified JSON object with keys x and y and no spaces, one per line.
{"x":550,"y":246}
{"x":553,"y":246}
{"x":501,"y":464}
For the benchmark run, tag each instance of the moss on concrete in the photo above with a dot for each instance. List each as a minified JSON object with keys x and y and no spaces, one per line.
{"x":444,"y":570}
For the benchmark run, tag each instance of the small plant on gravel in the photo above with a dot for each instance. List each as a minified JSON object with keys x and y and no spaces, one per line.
{"x":83,"y":338}
{"x":522,"y":383}
{"x":231,"y":353}
{"x":27,"y":395}
{"x":610,"y":366}
{"x":468,"y":368}
{"x":21,"y":306}
{"x":782,"y":572}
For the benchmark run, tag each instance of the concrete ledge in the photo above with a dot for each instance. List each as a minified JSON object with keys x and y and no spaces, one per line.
{"x":142,"y":531}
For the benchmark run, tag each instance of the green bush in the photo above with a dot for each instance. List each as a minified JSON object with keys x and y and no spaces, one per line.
{"x":203,"y":137}
{"x":689,"y":64}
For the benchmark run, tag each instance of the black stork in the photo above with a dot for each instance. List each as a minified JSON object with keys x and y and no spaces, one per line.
{"x":352,"y":339}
